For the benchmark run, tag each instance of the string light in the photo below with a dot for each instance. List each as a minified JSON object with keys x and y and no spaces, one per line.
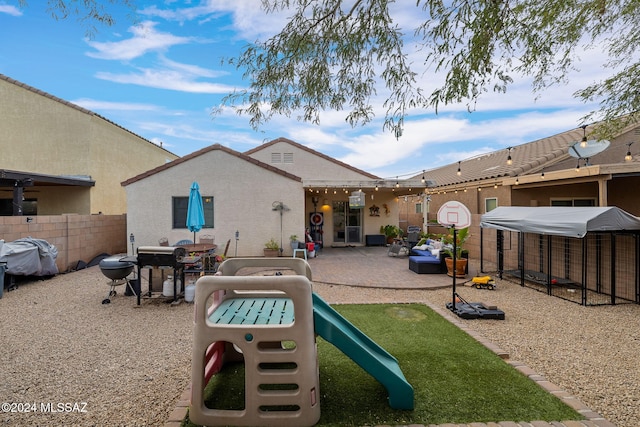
{"x":509,"y":160}
{"x":423,"y":180}
{"x":583,"y":143}
{"x":628,"y":157}
{"x":459,"y":171}
{"x":578,"y":166}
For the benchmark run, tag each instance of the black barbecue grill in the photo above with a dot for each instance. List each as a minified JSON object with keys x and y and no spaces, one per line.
{"x":161,"y":256}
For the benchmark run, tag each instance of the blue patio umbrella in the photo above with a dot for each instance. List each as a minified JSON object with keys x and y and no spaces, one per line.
{"x":195,"y":210}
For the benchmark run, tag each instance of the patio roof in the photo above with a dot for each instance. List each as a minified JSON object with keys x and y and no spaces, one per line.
{"x":9,"y":178}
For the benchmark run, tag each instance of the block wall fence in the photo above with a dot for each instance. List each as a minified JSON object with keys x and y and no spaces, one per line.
{"x":77,"y":237}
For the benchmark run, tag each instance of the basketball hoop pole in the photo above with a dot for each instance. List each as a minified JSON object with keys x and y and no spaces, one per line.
{"x":455,"y":270}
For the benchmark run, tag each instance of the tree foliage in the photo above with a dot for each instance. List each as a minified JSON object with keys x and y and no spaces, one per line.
{"x":89,"y":13}
{"x":338,"y":54}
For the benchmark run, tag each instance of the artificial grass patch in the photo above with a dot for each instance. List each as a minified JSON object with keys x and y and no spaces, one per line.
{"x":455,"y":379}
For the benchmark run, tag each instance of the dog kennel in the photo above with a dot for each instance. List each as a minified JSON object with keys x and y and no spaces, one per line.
{"x":588,"y":255}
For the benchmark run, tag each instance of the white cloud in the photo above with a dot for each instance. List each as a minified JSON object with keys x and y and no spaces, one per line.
{"x":93,"y":104}
{"x":10,"y":10}
{"x":145,"y":39}
{"x":165,"y":79}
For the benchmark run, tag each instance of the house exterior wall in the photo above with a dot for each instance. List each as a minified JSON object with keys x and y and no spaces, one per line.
{"x":542,"y":196}
{"x":43,"y":134}
{"x":623,"y":194}
{"x":243,"y":197}
{"x":388,"y":212}
{"x":306,"y":164}
{"x":314,"y":168}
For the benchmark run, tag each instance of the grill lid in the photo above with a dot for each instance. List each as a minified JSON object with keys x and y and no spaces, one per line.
{"x":166,"y":250}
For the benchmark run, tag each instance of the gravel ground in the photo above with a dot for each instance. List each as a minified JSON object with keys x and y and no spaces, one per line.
{"x":120,"y":364}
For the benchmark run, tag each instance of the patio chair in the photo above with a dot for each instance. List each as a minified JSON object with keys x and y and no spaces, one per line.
{"x":183,"y":242}
{"x":208,"y":238}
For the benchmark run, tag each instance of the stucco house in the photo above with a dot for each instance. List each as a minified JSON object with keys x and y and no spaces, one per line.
{"x":242,"y":192}
{"x":61,"y":158}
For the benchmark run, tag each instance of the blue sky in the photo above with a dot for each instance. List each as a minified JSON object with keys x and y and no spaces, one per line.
{"x":161,"y":77}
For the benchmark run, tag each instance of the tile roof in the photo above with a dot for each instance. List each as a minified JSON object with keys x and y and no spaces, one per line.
{"x":550,"y":153}
{"x":204,"y":151}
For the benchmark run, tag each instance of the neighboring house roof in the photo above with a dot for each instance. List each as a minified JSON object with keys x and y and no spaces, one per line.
{"x":309,"y":150}
{"x":546,"y":154}
{"x":204,"y":151}
{"x":74,"y":106}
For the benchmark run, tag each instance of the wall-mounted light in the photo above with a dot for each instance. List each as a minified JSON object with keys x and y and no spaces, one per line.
{"x":29,"y":219}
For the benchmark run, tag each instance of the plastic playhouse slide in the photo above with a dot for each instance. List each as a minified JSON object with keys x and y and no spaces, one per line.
{"x":382,"y":366}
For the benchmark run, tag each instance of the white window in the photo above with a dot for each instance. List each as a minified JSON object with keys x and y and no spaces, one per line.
{"x":418,"y":208}
{"x":490,"y":203}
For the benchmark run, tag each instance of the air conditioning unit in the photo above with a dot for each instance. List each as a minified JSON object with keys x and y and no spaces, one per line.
{"x":356,"y":200}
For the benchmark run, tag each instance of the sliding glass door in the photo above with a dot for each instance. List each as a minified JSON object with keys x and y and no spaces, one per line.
{"x":347,"y":223}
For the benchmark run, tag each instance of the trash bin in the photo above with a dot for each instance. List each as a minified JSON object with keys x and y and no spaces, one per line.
{"x":311,"y":249}
{"x":3,"y":267}
{"x":135,"y":284}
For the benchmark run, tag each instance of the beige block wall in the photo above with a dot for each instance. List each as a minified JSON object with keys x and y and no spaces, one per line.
{"x":243,"y":195}
{"x":76,"y":237}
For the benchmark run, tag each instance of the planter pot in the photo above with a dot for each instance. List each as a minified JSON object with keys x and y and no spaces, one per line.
{"x":271,"y":252}
{"x":461,"y":265}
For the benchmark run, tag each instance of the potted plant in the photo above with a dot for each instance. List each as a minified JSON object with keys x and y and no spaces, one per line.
{"x":271,"y":248}
{"x":461,"y":263}
{"x":390,"y":232}
{"x":294,"y":241}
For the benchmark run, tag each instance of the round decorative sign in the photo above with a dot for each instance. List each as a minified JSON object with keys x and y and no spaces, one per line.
{"x":316,"y":218}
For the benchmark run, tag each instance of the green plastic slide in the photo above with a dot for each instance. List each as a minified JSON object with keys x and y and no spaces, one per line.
{"x":382,"y":366}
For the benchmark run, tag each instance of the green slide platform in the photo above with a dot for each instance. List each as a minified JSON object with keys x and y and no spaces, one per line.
{"x":382,"y":366}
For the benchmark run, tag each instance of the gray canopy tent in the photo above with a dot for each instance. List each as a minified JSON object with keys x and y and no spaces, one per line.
{"x":584,"y":254}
